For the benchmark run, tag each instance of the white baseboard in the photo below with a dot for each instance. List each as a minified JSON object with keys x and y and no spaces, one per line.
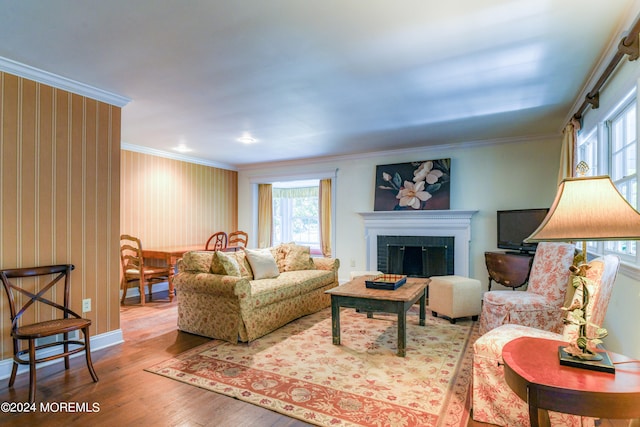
{"x":97,"y":342}
{"x":134,"y":292}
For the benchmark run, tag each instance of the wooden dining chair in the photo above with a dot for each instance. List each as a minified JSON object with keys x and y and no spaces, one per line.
{"x":134,"y":269}
{"x":238,"y":239}
{"x":31,"y":294}
{"x":217,"y":242}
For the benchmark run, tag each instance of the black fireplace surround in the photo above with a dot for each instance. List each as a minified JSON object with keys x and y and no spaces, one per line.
{"x":416,"y":256}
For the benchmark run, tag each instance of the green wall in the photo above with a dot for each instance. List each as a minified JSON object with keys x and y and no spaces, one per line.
{"x":485,"y":177}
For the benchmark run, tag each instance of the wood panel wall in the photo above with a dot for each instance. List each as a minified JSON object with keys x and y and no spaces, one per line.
{"x":168,"y":202}
{"x":60,"y":194}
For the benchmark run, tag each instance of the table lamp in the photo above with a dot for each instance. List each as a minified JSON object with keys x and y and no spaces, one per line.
{"x":587,"y":209}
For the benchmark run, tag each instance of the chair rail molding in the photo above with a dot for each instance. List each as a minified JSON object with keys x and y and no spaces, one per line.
{"x":447,"y":223}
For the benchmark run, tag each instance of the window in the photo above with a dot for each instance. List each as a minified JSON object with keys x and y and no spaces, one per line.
{"x":295,"y":213}
{"x":613,"y":150}
{"x":623,"y":155}
{"x":588,"y":152}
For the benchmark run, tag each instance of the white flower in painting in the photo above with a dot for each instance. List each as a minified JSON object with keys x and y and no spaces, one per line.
{"x":411,"y":194}
{"x":426,"y":173}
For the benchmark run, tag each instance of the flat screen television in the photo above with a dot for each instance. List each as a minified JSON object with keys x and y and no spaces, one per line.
{"x":516,"y":225}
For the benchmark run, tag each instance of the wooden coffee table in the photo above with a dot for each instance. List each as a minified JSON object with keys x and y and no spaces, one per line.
{"x":355,"y":294}
{"x":533,"y":371}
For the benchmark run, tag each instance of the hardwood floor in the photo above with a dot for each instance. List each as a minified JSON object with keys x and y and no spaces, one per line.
{"x":127,"y":395}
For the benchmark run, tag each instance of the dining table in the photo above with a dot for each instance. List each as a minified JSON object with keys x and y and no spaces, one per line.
{"x":171,"y":255}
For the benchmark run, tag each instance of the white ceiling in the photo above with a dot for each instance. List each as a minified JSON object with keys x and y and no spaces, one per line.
{"x":310,"y":78}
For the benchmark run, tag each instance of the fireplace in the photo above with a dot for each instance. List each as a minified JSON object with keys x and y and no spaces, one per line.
{"x":416,"y":256}
{"x":435,"y":242}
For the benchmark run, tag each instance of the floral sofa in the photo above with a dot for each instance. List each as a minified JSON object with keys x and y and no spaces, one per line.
{"x":243,"y":295}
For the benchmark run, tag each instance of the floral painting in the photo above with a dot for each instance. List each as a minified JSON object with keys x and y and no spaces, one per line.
{"x":422,"y":185}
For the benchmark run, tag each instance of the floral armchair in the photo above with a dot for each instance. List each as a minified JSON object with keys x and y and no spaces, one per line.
{"x":493,"y":401}
{"x":538,"y":306}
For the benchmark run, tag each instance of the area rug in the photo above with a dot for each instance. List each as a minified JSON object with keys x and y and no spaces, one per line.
{"x":297,"y":371}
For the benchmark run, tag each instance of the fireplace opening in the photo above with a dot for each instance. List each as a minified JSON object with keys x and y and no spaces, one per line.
{"x":417,"y":261}
{"x":416,"y":256}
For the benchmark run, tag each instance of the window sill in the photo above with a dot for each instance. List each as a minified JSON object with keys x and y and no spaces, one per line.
{"x":630,"y":270}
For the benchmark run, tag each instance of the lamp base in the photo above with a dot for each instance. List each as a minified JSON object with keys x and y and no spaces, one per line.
{"x":603,"y":365}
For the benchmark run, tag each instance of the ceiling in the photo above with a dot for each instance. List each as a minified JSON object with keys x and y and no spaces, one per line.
{"x":321,"y":78}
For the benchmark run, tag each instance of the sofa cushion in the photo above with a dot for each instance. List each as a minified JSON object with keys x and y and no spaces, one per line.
{"x":222,"y":263}
{"x":197,"y":261}
{"x":287,"y":285}
{"x":262,"y":263}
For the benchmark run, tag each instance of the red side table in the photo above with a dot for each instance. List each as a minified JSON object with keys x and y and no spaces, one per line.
{"x":534,"y":373}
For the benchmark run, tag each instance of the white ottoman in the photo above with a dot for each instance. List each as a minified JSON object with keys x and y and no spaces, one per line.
{"x":455,"y":297}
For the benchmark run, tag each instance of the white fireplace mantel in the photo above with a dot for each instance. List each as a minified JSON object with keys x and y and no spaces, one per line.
{"x":441,"y":223}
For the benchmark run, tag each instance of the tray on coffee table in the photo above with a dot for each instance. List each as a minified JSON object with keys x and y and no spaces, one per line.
{"x":386,"y":281}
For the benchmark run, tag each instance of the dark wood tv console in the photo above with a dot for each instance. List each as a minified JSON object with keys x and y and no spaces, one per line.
{"x":510,"y":269}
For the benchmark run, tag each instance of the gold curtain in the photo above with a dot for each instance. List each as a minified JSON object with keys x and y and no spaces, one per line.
{"x":265,"y":215}
{"x":568,"y":170}
{"x":567,"y":153}
{"x":324,"y":202}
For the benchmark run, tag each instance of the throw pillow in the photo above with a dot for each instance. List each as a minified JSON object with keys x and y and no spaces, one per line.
{"x":222,"y":263}
{"x":298,"y":258}
{"x":243,"y":263}
{"x":196,"y":261}
{"x":279,"y":253}
{"x":262,"y":263}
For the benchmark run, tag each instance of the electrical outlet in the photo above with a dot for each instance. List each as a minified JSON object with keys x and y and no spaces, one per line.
{"x":353,"y":262}
{"x":86,"y":305}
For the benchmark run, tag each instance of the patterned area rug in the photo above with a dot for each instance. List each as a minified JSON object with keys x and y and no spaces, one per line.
{"x":297,"y":371}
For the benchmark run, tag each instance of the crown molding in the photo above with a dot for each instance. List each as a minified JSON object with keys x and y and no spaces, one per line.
{"x":331,"y":160}
{"x":59,"y":82}
{"x":175,"y":156}
{"x":422,"y":150}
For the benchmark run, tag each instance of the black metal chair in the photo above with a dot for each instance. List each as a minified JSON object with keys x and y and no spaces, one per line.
{"x":64,"y":322}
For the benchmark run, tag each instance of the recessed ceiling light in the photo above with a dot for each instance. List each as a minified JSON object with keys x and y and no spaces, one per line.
{"x":182,"y":148}
{"x":247,"y":139}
